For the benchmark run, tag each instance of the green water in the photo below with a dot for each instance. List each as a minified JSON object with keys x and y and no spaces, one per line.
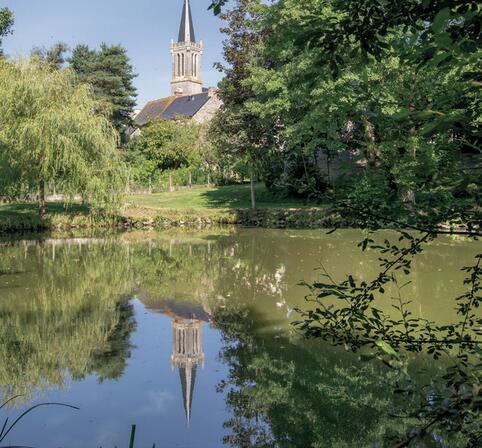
{"x":188,"y":336}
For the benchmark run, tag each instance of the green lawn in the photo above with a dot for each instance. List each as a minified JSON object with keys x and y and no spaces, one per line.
{"x":234,"y":196}
{"x":197,"y":198}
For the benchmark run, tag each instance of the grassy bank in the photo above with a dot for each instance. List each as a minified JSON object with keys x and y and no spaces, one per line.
{"x":229,"y":197}
{"x":196,"y":207}
{"x":25,"y":218}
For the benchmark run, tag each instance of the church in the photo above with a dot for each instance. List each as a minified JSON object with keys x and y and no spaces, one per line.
{"x":189,"y":99}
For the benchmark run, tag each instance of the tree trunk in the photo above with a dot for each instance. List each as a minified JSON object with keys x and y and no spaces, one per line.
{"x":190,"y":179}
{"x":41,"y":199}
{"x":171,"y":188}
{"x":372,"y":154}
{"x":253,"y":192}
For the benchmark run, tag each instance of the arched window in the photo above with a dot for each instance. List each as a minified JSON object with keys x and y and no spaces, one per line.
{"x":182,"y":65}
{"x":194,"y":65}
{"x":178,"y":67}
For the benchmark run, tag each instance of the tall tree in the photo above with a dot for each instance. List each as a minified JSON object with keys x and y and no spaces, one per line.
{"x":50,"y":131}
{"x":6,"y":24}
{"x":111,"y":74}
{"x":235,"y":129}
{"x":398,"y":81}
{"x":164,"y":145}
{"x":406,"y":100}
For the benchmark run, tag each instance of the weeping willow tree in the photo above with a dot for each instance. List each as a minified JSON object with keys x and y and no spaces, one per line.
{"x":51,"y":131}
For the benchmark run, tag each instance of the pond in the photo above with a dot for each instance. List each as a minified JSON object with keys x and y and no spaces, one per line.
{"x":188,"y":336}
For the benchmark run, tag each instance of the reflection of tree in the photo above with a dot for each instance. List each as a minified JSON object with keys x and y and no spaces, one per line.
{"x":286,"y":392}
{"x":206,"y":271}
{"x":164,"y":269}
{"x":62,"y":313}
{"x":109,"y":362}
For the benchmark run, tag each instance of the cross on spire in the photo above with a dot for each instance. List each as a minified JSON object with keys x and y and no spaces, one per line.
{"x":186,"y":30}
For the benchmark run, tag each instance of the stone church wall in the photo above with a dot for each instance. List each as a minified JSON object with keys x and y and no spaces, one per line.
{"x":207,"y":112}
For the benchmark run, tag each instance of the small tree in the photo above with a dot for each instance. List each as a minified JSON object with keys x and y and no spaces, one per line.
{"x":50,"y":132}
{"x":6,"y":23}
{"x":55,"y":55}
{"x":165,"y":145}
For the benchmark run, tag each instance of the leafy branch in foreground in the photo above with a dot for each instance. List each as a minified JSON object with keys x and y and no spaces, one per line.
{"x":216,"y":6}
{"x":347,"y":313}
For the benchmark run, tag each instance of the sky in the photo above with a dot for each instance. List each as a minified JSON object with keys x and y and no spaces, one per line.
{"x":144,"y":27}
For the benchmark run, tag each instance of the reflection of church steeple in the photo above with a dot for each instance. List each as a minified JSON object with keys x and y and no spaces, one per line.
{"x":187,"y":354}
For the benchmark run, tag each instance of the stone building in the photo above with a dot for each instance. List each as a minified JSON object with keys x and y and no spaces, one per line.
{"x":189,"y":99}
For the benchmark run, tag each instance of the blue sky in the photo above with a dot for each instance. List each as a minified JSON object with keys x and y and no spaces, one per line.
{"x":144,"y":27}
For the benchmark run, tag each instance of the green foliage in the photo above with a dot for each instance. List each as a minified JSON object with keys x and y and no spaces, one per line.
{"x":235,"y":132}
{"x":346,"y":313}
{"x":6,"y":24}
{"x":165,"y":145}
{"x":110,"y":73}
{"x":50,"y":131}
{"x":54,"y":56}
{"x":395,"y":86}
{"x":377,"y":81}
{"x":216,"y":6}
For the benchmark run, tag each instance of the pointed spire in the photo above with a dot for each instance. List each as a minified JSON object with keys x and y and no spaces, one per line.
{"x":188,"y":379}
{"x":186,"y":30}
{"x":187,"y":354}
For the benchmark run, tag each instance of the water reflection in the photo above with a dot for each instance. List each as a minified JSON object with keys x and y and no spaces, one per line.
{"x":62,"y":312}
{"x":187,"y":354}
{"x":70,"y":331}
{"x":187,"y":345}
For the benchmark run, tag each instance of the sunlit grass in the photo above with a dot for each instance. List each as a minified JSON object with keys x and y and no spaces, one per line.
{"x":233,"y":196}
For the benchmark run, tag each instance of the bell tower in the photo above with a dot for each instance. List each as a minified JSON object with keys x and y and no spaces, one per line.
{"x":186,"y":57}
{"x":187,"y":354}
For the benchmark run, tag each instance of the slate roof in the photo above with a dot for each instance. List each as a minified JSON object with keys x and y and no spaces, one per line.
{"x":152,"y":111}
{"x":186,"y":30}
{"x":172,"y":107}
{"x":175,"y":308}
{"x":187,"y":106}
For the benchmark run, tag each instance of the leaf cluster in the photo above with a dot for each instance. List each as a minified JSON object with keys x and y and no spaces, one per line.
{"x":51,"y":131}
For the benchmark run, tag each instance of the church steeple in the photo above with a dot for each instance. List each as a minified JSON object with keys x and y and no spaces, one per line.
{"x":186,"y":57}
{"x":186,"y":30}
{"x":187,"y":354}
